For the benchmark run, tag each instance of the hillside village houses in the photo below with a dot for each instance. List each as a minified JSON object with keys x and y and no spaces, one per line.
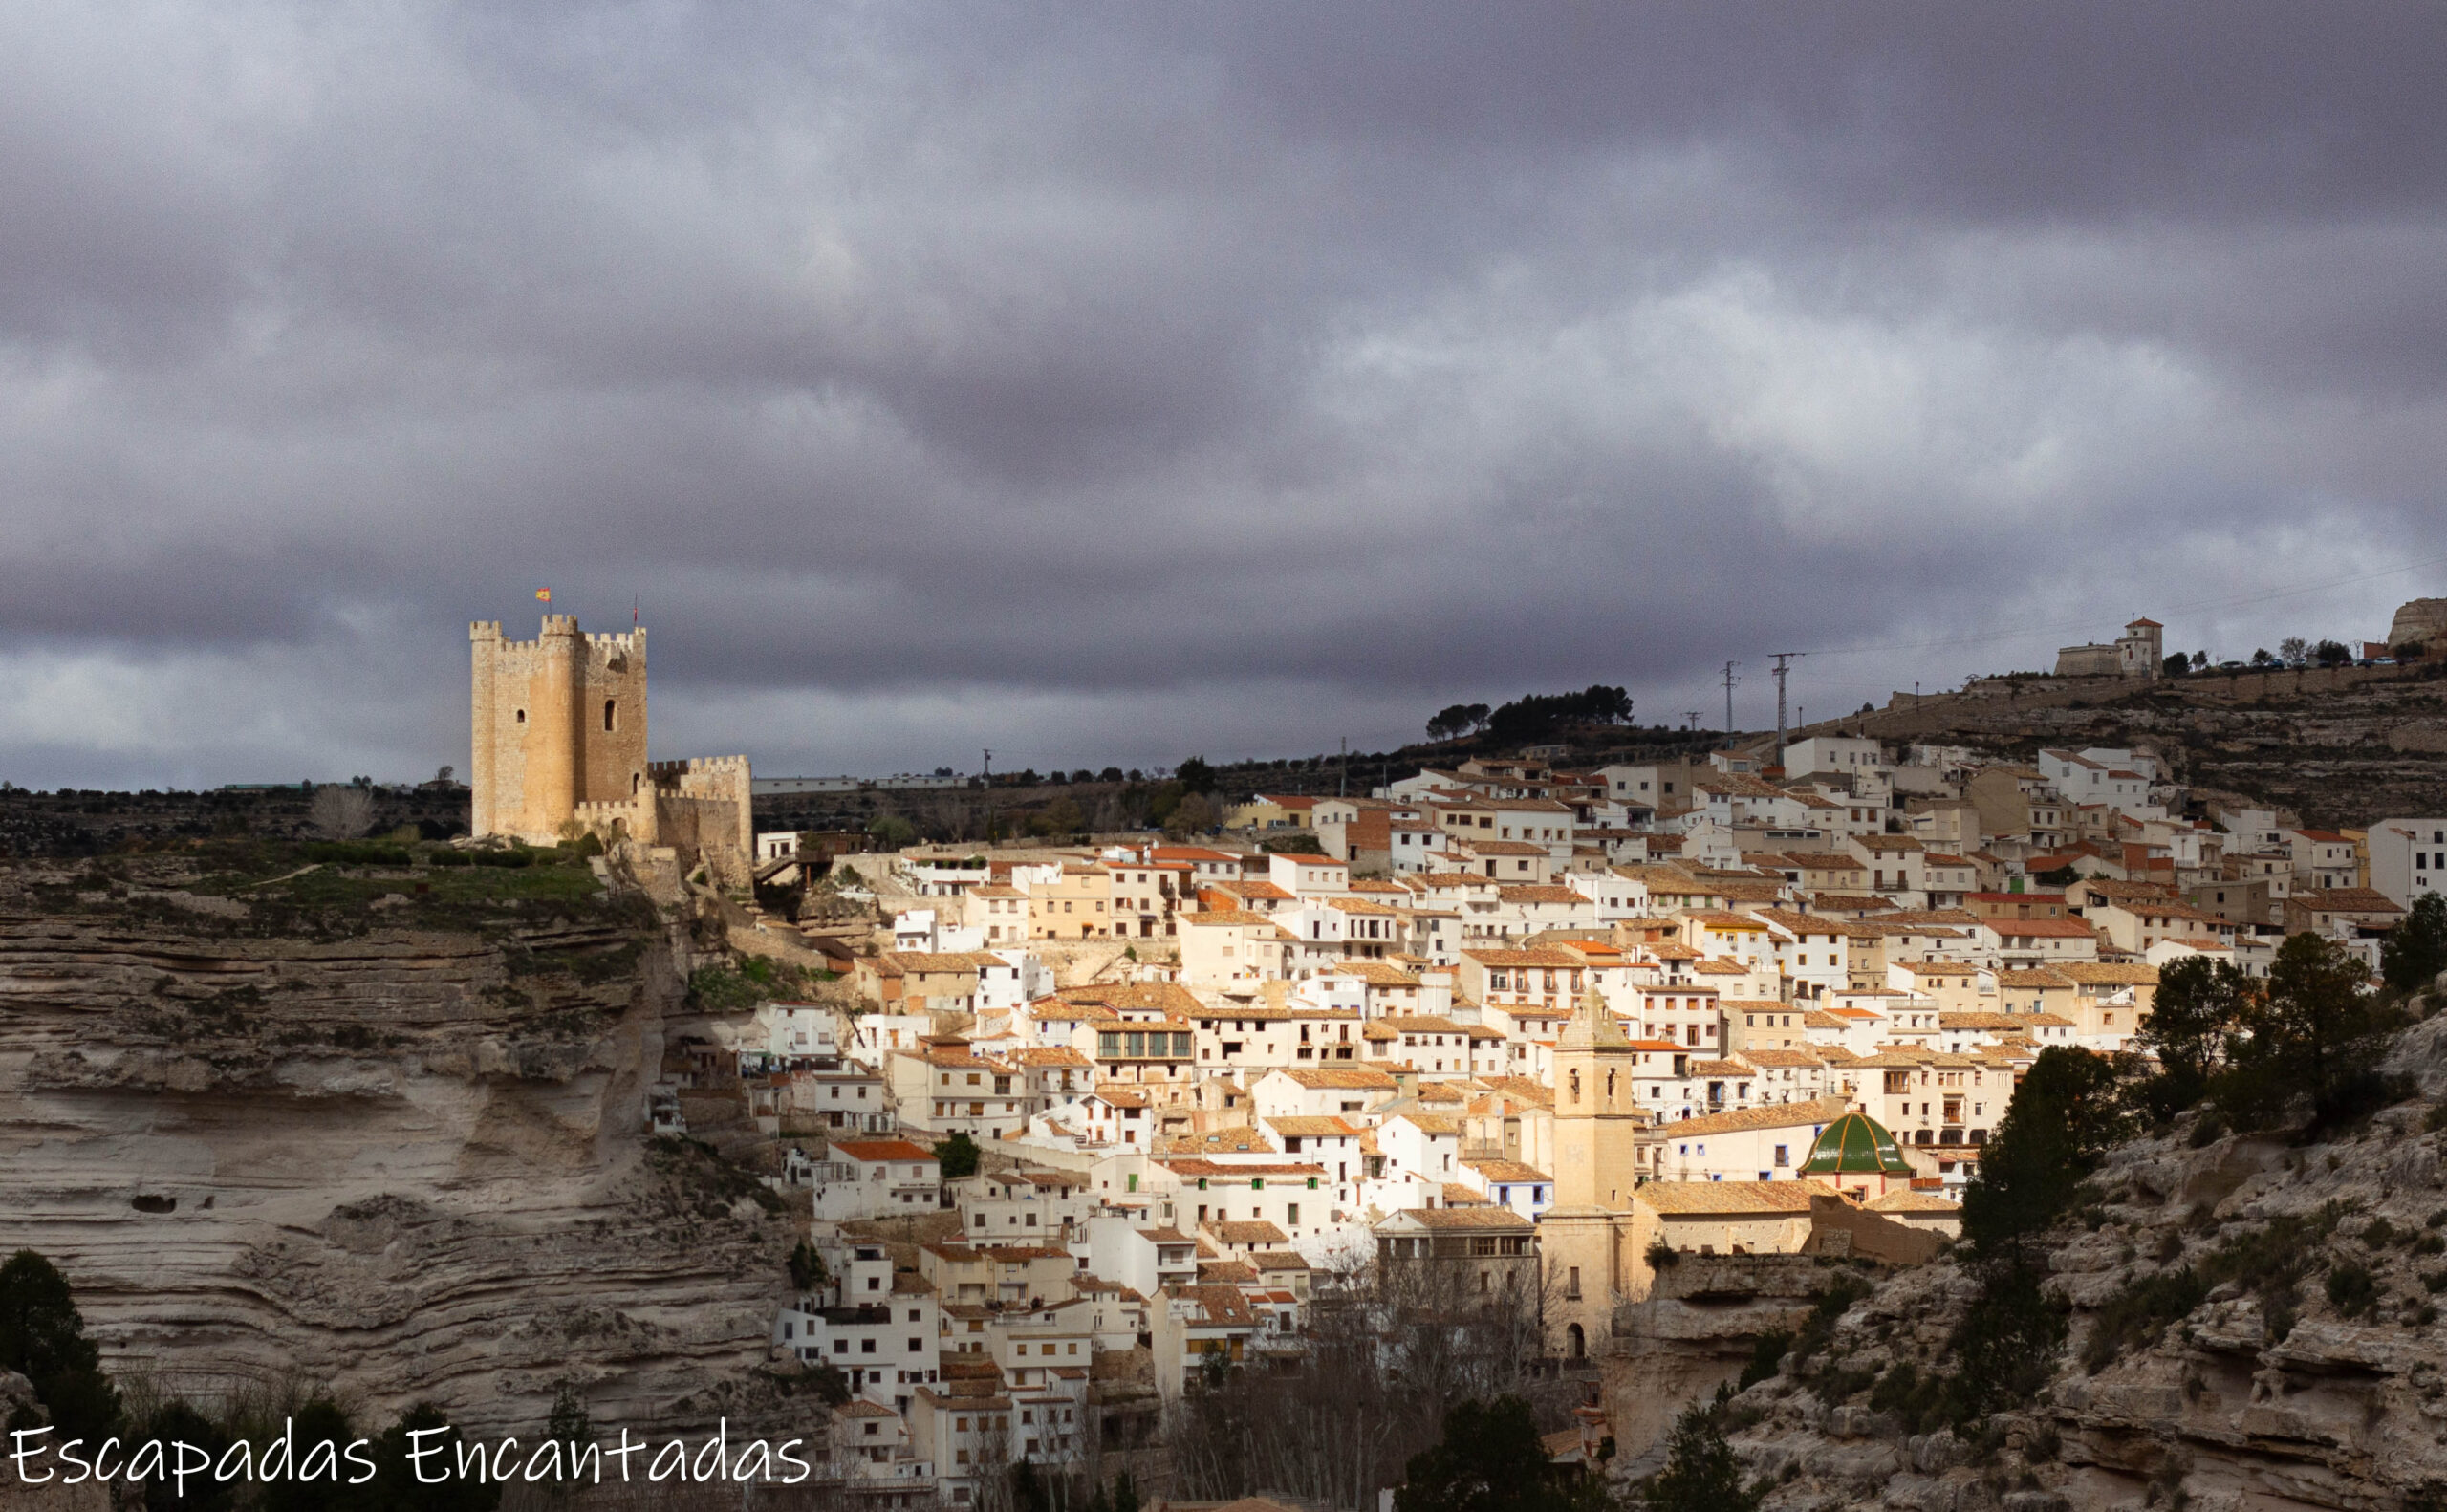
{"x":1514,"y":1019}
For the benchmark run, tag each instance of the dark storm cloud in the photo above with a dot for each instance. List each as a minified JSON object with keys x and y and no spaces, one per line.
{"x":1113,"y":383}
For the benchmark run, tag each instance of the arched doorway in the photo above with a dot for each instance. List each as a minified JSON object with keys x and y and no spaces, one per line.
{"x":1579,"y":1342}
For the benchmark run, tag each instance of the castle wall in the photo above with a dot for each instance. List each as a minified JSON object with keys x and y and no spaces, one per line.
{"x":2088,"y":661}
{"x":703,"y":805}
{"x":556,"y":722}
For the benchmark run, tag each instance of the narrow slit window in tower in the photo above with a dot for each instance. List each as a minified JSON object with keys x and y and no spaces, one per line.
{"x":609,"y":705}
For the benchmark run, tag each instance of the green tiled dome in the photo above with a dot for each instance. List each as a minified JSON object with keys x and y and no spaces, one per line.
{"x":1856,"y":1145}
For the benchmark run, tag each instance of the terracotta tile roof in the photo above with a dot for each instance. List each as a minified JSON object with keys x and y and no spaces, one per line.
{"x":2039,"y":977}
{"x":2105,"y":973}
{"x":1058,"y":1055}
{"x":1211,"y":1169}
{"x":1241,"y":1140}
{"x":1528,"y":894}
{"x":1169,"y":998}
{"x":1479,"y":1218}
{"x":1773,"y":1115}
{"x":880,"y":1150}
{"x":1232,"y":918}
{"x":1312,"y":1127}
{"x":1375,"y":973}
{"x":1684,"y":1199}
{"x":1904,"y":1199}
{"x":1507,"y":1171}
{"x":1248,"y":1233}
{"x":1535,"y":956}
{"x":1982,"y":1021}
{"x":1351,"y":1077}
{"x":1783,"y":1060}
{"x":1423,"y":1024}
{"x":2348,"y":900}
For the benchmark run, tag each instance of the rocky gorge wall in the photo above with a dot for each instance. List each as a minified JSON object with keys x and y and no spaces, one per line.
{"x":2253,"y":1325}
{"x":401,"y":1165}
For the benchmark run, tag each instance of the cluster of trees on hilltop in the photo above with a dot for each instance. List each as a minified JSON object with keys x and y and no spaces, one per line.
{"x":1534,"y":717}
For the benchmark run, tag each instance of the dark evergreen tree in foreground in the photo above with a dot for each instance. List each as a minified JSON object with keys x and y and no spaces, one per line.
{"x":42,"y":1337}
{"x":2067,"y":1110}
{"x":1491,"y":1459}
{"x":2415,"y":951}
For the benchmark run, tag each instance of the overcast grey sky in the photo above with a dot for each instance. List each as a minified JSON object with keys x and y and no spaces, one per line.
{"x":1109,"y":384}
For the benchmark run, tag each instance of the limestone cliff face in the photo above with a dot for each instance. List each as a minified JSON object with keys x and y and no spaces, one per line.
{"x":2318,"y":1380}
{"x":1696,"y":1329}
{"x":405,"y":1166}
{"x":2419,"y":622}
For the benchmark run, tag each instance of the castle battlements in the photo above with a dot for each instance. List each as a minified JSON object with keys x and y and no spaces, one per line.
{"x":699,"y":764}
{"x":561,"y":627}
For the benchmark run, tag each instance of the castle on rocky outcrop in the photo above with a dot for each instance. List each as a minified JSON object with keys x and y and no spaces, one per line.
{"x":559,"y":735}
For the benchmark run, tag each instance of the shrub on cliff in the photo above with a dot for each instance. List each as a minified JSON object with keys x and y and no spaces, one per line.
{"x":2415,"y":951}
{"x":1701,"y":1474}
{"x":2065,"y":1116}
{"x":42,"y":1337}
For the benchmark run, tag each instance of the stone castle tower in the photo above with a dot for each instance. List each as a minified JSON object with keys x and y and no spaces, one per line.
{"x":560,"y":733}
{"x":559,"y":724}
{"x":1591,"y":1239}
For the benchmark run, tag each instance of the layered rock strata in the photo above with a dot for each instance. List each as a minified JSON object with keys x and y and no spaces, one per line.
{"x":401,"y":1167}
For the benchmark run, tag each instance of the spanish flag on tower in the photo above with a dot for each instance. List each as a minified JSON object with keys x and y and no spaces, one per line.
{"x":543,"y":596}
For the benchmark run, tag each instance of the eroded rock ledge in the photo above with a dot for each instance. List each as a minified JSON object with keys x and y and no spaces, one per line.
{"x":403,"y":1166}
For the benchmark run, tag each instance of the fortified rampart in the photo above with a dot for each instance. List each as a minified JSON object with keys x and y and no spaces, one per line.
{"x":703,"y":805}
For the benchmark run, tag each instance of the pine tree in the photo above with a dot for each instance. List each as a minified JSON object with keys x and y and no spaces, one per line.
{"x":2415,"y":951}
{"x":1491,"y":1459}
{"x":42,"y":1337}
{"x":1701,"y":1474}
